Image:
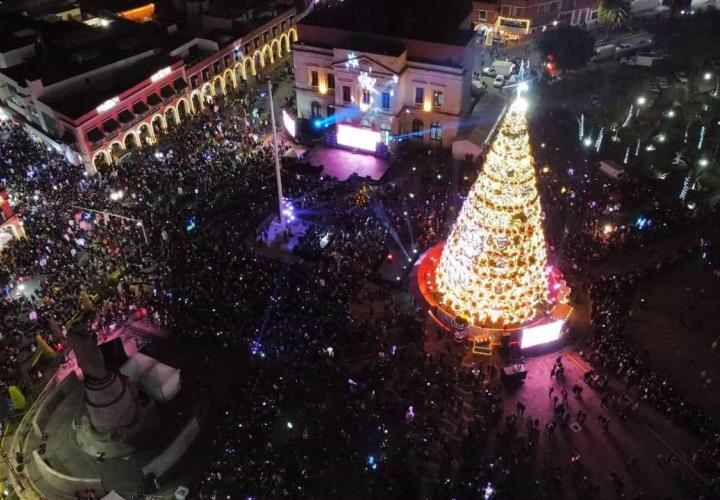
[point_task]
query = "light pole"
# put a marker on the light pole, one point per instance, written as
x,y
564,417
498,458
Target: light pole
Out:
x,y
281,216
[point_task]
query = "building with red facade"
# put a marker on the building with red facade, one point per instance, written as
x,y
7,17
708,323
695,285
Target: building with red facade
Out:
x,y
95,90
512,20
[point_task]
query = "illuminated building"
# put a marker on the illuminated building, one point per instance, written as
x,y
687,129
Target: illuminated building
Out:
x,y
492,272
401,78
512,20
103,87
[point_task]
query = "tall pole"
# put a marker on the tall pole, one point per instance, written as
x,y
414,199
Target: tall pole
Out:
x,y
281,216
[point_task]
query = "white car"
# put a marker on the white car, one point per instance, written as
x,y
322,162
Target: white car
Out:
x,y
624,46
499,81
488,71
681,77
679,161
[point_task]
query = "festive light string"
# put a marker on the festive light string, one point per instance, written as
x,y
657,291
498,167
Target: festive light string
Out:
x,y
598,142
702,138
493,267
628,117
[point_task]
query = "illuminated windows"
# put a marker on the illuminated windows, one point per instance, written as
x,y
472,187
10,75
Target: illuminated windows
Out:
x,y
435,132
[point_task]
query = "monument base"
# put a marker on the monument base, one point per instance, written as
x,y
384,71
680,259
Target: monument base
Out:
x,y
123,441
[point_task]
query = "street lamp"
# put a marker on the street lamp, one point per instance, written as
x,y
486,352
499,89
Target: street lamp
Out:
x,y
707,75
703,162
281,215
641,100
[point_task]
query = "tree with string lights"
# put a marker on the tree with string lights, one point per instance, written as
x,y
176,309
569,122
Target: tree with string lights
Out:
x,y
492,271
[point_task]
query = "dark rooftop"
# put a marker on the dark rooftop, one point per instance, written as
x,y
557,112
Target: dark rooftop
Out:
x,y
87,98
428,20
58,62
16,31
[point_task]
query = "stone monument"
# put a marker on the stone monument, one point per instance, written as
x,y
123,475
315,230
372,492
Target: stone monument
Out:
x,y
116,422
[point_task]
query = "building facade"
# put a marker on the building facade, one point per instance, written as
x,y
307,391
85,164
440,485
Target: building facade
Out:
x,y
108,105
512,20
403,88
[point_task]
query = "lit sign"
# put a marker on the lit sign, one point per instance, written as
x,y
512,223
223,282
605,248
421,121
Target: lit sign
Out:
x,y
289,123
160,74
109,104
360,138
509,22
542,334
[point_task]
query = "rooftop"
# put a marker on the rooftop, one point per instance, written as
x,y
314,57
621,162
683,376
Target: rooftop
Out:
x,y
60,62
87,98
428,20
16,31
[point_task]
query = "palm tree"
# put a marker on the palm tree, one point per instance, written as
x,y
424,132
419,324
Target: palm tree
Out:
x,y
613,14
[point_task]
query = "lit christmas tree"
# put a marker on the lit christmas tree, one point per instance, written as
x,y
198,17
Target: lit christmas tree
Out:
x,y
492,269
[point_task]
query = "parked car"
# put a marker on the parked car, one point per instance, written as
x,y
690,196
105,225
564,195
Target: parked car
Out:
x,y
681,77
624,46
679,161
611,169
499,81
656,173
488,71
662,83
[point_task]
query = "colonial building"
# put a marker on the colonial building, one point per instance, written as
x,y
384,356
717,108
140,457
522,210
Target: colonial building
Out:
x,y
511,20
97,90
406,84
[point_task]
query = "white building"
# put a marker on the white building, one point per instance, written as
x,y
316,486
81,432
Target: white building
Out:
x,y
406,89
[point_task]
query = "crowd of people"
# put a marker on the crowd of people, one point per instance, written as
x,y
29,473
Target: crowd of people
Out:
x,y
611,352
323,399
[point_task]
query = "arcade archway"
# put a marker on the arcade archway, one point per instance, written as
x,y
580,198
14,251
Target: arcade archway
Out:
x,y
183,109
158,124
145,134
196,101
276,48
131,141
101,160
116,150
170,116
218,86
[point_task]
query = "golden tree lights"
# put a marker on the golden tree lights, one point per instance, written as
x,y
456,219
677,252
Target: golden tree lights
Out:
x,y
492,268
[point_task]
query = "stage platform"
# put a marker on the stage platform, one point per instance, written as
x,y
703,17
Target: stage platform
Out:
x,y
277,242
342,163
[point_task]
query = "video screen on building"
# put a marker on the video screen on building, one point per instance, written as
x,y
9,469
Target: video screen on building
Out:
x,y
360,138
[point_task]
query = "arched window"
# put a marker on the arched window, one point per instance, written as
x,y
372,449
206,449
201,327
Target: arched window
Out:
x,y
435,132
